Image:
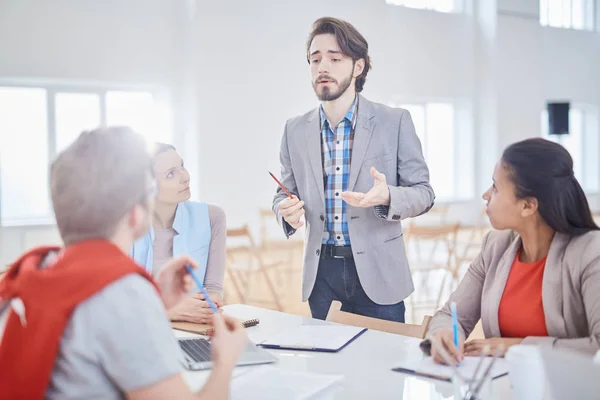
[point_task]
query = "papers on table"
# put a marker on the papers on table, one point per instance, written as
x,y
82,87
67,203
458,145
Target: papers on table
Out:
x,y
314,337
272,383
426,367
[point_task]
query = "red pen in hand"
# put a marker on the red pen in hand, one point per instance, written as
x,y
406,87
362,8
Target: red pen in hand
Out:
x,y
281,186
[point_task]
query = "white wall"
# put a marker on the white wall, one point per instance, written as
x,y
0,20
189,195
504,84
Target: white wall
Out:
x,y
133,41
130,41
237,71
261,57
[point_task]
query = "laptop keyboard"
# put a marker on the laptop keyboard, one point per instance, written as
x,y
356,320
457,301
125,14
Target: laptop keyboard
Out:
x,y
197,349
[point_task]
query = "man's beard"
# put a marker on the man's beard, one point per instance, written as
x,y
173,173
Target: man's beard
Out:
x,y
328,94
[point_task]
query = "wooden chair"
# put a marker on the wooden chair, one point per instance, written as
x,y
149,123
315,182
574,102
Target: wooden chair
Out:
x,y
423,262
472,245
439,211
437,215
252,265
336,314
289,251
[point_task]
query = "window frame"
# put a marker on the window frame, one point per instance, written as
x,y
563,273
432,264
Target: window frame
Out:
x,y
399,102
458,7
590,126
54,87
590,16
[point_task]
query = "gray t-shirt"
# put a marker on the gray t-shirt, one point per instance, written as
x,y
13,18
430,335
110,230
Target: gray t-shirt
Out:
x,y
117,341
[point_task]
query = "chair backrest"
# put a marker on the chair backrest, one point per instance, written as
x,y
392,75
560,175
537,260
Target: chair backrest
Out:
x,y
267,221
271,234
242,232
437,215
423,242
440,209
335,314
432,231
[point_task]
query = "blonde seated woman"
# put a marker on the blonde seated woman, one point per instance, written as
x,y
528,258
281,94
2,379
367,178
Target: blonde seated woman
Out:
x,y
537,278
181,227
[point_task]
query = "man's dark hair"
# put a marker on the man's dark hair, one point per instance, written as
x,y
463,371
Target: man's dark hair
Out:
x,y
351,42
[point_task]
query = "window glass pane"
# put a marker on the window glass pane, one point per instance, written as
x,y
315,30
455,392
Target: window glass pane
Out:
x,y
578,14
24,158
555,12
440,158
573,142
75,112
566,14
444,6
436,5
140,111
582,144
591,144
544,12
570,14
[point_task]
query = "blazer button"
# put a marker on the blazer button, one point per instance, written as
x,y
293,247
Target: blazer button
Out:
x,y
318,252
322,218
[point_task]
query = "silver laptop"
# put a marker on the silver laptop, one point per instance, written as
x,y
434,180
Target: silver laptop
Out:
x,y
571,375
197,355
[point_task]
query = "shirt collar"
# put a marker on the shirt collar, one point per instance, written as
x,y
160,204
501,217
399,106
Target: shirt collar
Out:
x,y
350,115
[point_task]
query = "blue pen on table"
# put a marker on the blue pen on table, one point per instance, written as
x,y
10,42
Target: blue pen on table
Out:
x,y
202,289
454,323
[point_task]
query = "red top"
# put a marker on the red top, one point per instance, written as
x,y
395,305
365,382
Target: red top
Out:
x,y
521,312
50,295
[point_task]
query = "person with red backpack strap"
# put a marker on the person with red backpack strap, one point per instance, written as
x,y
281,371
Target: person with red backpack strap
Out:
x,y
86,321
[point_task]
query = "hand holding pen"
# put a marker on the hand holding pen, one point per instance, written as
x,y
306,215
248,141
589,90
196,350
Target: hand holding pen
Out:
x,y
450,340
200,286
291,209
174,282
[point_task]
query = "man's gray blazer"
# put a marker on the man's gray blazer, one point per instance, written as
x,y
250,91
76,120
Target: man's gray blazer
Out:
x,y
384,138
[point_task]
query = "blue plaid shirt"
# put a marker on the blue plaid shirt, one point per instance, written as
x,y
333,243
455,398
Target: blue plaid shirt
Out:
x,y
337,153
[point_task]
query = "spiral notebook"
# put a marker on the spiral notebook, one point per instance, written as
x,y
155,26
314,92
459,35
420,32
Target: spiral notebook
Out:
x,y
205,329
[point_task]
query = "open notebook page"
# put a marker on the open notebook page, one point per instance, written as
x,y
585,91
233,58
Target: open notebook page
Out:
x,y
330,337
427,367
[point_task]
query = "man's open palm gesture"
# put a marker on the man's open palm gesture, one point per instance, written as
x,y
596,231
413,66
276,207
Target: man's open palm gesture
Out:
x,y
379,195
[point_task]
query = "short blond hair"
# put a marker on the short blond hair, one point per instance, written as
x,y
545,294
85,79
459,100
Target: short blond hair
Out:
x,y
97,180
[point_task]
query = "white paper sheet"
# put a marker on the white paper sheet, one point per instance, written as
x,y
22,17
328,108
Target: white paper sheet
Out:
x,y
272,383
468,365
330,337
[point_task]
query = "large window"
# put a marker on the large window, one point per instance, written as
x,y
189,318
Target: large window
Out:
x,y
37,122
435,124
582,143
447,6
569,14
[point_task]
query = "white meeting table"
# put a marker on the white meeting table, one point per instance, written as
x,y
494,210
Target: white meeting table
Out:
x,y
366,363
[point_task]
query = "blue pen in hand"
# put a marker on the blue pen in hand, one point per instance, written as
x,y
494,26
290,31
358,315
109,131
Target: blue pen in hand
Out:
x,y
202,289
454,324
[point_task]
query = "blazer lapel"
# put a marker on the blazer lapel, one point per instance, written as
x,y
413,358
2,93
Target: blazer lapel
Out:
x,y
362,136
492,301
312,135
552,294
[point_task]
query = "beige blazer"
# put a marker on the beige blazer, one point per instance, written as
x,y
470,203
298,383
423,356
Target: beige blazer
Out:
x,y
570,291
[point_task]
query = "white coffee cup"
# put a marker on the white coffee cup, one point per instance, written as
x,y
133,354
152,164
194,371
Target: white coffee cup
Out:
x,y
526,372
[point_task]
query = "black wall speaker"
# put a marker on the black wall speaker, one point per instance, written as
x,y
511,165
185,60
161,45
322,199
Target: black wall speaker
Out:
x,y
558,118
